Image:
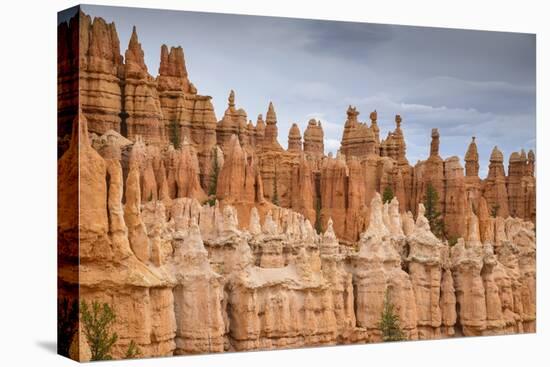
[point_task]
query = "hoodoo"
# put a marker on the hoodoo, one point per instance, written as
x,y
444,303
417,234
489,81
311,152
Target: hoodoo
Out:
x,y
218,239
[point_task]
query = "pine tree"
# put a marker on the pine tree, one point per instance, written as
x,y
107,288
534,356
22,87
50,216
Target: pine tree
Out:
x,y
97,323
275,199
453,240
389,322
387,196
318,226
213,184
133,351
494,210
432,214
174,131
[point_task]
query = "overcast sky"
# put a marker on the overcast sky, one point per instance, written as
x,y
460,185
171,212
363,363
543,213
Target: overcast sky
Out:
x,y
463,82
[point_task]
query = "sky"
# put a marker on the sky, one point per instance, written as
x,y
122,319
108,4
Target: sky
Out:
x,y
463,82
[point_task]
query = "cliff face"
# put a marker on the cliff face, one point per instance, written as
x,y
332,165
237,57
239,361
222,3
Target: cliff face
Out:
x,y
101,74
119,94
208,236
200,279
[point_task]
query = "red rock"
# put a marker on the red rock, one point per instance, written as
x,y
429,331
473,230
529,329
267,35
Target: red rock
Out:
x,y
239,182
294,139
260,132
430,172
270,136
358,139
521,185
140,99
187,174
313,140
134,58
494,186
303,198
200,278
234,122
455,198
172,71
100,66
472,159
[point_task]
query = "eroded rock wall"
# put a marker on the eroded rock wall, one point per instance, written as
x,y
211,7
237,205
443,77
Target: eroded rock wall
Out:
x,y
207,236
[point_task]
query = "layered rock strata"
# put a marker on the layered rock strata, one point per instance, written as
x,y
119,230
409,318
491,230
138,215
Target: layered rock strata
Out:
x,y
205,235
119,94
197,279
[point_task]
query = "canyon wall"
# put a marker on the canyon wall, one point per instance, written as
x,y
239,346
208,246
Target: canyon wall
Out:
x,y
206,235
186,277
118,94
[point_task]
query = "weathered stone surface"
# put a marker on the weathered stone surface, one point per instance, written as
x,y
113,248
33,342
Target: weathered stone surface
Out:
x,y
140,99
108,267
472,159
172,71
137,234
234,122
358,138
187,174
494,186
521,185
378,270
394,145
430,172
270,135
100,76
246,269
294,139
303,199
198,295
483,280
426,273
239,182
455,198
333,193
314,140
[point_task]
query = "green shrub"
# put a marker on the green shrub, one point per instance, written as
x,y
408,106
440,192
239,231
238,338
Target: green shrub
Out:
x,y
453,240
97,323
213,184
431,202
494,210
389,322
318,226
174,134
275,199
387,195
133,351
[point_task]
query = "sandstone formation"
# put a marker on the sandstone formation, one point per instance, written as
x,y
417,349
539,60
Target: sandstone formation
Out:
x,y
271,131
234,122
313,140
143,115
294,139
358,138
205,235
494,187
101,76
167,109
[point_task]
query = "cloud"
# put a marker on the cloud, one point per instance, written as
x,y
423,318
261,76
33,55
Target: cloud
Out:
x,y
351,41
462,82
485,96
332,145
311,91
456,126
